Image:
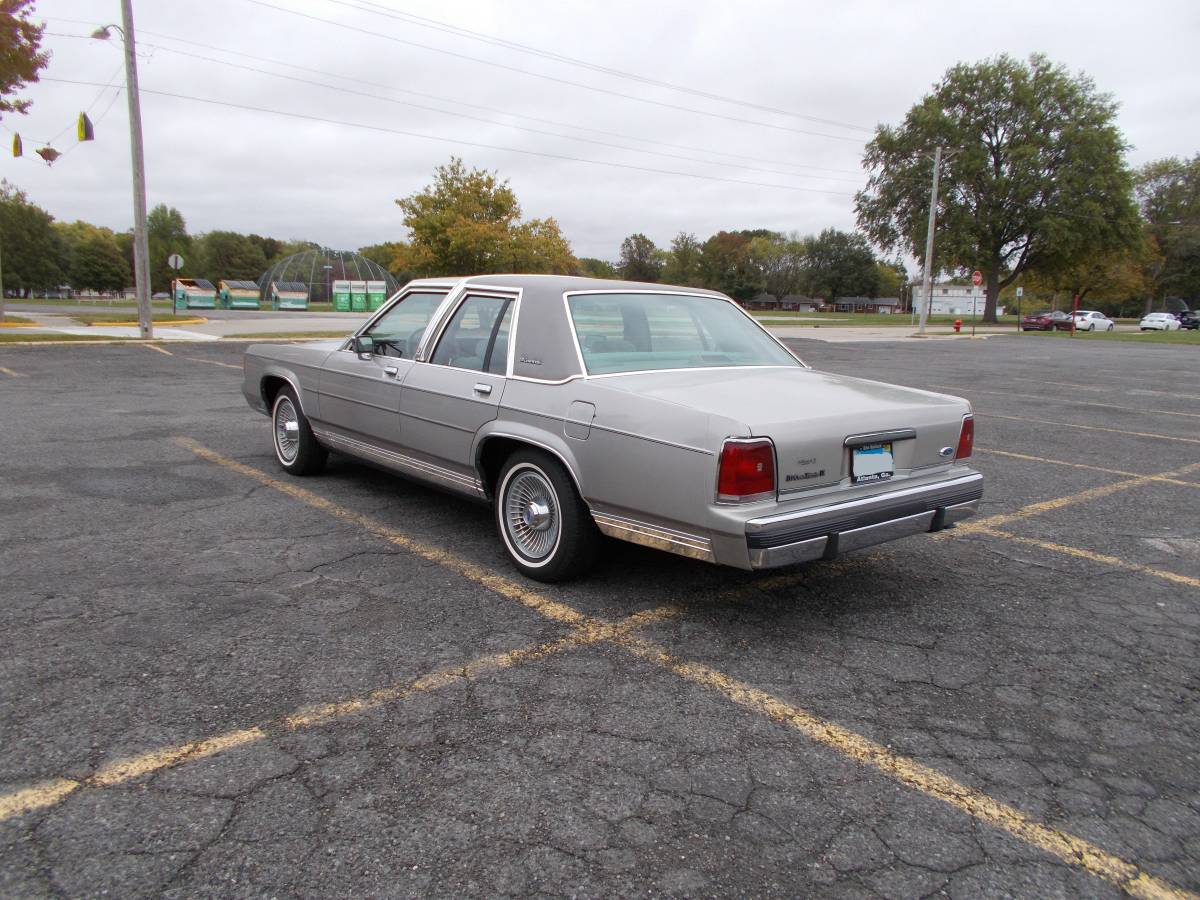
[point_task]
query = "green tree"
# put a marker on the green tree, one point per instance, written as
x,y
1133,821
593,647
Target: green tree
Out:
x,y
682,263
840,264
891,279
596,268
227,255
1036,178
726,265
640,259
1168,191
21,56
94,259
384,254
34,255
780,263
469,222
166,233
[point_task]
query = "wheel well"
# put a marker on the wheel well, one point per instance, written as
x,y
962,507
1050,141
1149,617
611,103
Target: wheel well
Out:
x,y
271,385
495,450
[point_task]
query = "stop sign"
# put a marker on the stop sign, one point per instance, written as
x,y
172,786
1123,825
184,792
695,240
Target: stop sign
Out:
x,y
977,278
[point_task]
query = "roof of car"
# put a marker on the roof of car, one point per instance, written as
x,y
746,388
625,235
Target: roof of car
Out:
x,y
559,284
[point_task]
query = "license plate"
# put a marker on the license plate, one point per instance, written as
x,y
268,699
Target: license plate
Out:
x,y
871,462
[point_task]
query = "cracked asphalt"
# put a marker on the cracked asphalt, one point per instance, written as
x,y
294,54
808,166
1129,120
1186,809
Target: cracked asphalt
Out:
x,y
151,598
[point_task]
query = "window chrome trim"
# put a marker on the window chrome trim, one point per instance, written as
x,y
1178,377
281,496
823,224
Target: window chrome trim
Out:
x,y
567,295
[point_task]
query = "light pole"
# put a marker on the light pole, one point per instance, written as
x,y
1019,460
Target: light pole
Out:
x,y
141,250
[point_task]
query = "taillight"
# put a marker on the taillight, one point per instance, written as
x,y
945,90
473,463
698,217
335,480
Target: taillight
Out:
x,y
966,438
747,470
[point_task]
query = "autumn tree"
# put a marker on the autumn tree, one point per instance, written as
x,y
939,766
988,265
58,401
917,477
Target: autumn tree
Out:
x,y
640,259
596,268
1036,177
21,56
682,262
469,222
1168,192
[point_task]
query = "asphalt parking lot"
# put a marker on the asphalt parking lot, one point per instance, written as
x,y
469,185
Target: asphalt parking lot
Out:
x,y
220,680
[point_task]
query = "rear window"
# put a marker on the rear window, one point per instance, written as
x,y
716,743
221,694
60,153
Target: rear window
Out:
x,y
642,332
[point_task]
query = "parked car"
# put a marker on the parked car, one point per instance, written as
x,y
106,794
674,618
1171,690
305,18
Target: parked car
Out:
x,y
1091,320
1055,320
665,416
1190,320
1159,321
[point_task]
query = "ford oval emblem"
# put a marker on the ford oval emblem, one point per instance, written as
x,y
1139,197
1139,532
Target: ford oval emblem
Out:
x,y
946,452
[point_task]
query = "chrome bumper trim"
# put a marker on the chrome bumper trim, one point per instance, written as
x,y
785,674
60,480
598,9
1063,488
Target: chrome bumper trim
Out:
x,y
691,545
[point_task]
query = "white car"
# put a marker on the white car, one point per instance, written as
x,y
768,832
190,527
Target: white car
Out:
x,y
1159,322
1091,320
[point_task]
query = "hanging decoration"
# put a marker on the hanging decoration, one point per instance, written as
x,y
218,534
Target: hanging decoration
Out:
x,y
84,128
18,147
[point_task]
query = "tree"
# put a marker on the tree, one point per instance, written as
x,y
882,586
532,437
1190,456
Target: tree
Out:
x,y
1168,191
468,222
779,261
384,254
166,233
726,266
682,263
891,279
1108,281
1037,178
640,259
228,255
840,264
596,268
34,257
94,259
21,57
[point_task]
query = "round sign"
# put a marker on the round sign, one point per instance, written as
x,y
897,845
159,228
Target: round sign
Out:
x,y
977,278
175,261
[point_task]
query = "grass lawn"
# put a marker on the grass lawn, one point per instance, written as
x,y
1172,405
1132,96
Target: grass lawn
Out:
x,y
82,304
1191,338
294,335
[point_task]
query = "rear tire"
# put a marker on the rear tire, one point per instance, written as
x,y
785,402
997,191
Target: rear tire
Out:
x,y
296,448
544,525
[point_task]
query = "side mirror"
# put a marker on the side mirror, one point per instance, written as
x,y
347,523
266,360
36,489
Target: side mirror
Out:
x,y
363,345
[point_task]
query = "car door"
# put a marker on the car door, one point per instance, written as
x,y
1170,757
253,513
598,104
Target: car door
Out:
x,y
446,400
360,394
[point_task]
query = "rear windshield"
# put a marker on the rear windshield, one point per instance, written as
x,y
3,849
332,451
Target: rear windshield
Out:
x,y
641,332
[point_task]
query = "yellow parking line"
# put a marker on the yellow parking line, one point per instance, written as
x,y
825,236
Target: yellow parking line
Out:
x,y
1145,434
1114,561
212,362
1063,845
1041,506
52,792
1067,847
1057,399
11,374
1074,465
159,349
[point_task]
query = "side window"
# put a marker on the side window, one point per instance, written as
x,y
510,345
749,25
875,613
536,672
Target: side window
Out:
x,y
477,336
399,332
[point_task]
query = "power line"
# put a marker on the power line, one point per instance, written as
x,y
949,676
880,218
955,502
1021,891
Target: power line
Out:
x,y
430,137
473,118
381,9
577,84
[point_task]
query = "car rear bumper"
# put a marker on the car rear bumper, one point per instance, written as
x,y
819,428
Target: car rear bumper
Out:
x,y
823,532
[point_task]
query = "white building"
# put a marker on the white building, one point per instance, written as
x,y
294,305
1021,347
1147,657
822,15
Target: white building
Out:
x,y
956,300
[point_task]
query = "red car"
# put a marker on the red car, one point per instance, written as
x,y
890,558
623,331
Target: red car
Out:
x,y
1047,321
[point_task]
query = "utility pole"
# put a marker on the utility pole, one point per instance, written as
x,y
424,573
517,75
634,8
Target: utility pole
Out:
x,y
141,250
926,281
1,281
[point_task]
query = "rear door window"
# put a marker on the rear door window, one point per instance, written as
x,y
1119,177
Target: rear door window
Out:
x,y
477,336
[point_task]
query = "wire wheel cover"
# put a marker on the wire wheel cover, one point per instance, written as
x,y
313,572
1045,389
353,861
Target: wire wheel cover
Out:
x,y
287,430
531,514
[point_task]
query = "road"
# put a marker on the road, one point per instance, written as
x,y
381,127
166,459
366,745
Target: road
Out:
x,y
220,680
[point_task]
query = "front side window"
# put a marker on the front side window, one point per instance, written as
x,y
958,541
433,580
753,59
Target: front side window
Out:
x,y
399,331
640,332
477,336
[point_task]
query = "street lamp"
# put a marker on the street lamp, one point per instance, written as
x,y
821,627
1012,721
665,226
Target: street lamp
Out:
x,y
141,250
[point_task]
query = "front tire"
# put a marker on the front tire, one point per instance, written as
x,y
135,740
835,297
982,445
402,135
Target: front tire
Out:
x,y
545,526
296,448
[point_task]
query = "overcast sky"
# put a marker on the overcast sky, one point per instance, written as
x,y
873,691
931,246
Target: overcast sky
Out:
x,y
857,63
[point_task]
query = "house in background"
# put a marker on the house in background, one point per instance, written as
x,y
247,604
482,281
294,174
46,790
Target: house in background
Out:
x,y
885,305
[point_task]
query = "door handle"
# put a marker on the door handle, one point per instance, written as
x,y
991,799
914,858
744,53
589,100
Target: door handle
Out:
x,y
391,370
484,389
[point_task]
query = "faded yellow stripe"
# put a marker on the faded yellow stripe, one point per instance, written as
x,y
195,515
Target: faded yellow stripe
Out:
x,y
143,764
1145,434
1085,466
11,374
551,609
979,525
212,362
1115,561
158,348
1066,847
1057,399
48,793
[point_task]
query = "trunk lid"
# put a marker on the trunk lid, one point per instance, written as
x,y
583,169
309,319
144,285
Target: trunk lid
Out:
x,y
810,415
